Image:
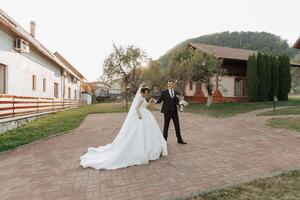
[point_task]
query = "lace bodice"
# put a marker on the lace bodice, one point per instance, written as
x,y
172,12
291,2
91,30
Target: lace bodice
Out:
x,y
141,105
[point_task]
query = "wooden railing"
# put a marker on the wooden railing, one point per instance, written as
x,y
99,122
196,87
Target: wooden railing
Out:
x,y
12,106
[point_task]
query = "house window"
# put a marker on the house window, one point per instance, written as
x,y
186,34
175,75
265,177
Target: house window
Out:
x,y
75,94
2,79
191,85
33,82
64,92
238,87
69,93
44,85
56,90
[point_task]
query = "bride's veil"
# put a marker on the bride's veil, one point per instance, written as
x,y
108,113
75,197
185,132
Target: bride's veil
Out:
x,y
128,124
135,102
130,118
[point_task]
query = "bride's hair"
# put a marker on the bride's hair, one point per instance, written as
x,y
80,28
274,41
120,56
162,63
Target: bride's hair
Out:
x,y
144,89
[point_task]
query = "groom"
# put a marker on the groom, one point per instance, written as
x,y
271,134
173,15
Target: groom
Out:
x,y
169,97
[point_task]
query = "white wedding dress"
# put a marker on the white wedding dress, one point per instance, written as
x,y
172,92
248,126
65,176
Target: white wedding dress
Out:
x,y
138,141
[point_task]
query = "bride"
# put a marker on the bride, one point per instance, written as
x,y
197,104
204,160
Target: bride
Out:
x,y
138,141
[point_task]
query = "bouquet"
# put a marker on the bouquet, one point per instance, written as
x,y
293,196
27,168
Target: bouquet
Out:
x,y
182,103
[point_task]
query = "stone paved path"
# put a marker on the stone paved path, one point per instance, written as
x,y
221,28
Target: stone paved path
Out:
x,y
219,152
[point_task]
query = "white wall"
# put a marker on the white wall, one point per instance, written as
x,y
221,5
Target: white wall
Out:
x,y
227,83
86,98
20,70
73,86
226,87
6,41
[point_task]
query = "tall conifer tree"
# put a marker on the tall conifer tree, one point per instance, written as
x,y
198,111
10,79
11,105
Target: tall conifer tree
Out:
x,y
252,78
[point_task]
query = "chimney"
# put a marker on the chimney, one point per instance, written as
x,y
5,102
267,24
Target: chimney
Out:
x,y
32,28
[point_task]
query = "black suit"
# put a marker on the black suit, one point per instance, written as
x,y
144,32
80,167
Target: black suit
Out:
x,y
169,108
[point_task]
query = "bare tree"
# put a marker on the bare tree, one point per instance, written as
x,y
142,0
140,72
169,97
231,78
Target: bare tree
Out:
x,y
123,63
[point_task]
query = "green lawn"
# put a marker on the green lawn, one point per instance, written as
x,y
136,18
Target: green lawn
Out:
x,y
284,187
282,111
53,124
292,123
231,109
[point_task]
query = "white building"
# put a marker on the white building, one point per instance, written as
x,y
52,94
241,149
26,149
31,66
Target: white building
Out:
x,y
30,72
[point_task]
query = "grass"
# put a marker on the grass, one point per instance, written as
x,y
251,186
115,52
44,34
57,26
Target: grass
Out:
x,y
284,187
221,110
291,123
283,111
53,124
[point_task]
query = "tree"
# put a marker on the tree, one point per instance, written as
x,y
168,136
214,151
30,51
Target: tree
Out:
x,y
180,69
268,76
123,63
264,75
191,64
135,79
204,68
252,79
153,76
274,78
284,77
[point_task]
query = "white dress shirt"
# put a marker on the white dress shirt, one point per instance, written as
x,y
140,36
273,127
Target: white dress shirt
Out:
x,y
171,91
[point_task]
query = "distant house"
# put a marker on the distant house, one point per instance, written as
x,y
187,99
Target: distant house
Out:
x,y
104,90
230,87
32,79
99,90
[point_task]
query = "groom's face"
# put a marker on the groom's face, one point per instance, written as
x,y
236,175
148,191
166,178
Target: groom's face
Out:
x,y
171,84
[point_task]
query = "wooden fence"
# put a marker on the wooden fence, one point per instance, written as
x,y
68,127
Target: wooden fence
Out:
x,y
14,106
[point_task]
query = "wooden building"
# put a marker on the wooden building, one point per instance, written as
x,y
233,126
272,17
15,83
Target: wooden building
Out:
x,y
230,87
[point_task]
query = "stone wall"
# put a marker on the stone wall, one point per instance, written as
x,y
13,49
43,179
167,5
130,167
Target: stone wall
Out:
x,y
10,125
13,123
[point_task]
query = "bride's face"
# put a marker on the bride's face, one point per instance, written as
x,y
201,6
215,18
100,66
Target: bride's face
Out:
x,y
146,93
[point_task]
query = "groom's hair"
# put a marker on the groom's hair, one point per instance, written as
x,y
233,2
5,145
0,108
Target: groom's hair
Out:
x,y
171,80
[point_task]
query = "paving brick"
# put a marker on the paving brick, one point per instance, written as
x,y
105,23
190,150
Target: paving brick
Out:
x,y
219,152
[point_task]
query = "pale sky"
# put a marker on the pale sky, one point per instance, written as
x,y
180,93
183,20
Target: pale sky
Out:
x,y
83,30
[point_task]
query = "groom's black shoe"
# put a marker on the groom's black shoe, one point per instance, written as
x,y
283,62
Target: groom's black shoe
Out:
x,y
181,142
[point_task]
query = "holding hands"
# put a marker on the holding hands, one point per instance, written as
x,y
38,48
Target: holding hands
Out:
x,y
152,100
